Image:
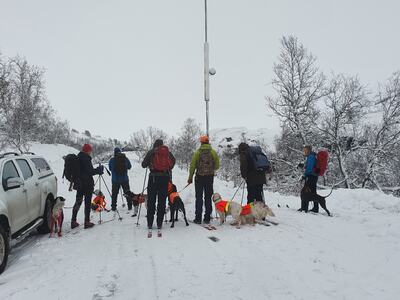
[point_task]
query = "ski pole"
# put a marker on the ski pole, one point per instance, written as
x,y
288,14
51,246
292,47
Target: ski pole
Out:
x,y
237,190
140,205
108,190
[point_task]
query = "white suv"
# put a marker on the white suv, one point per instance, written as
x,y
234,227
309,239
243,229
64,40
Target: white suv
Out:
x,y
27,192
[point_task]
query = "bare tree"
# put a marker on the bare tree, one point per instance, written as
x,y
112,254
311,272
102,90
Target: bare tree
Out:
x,y
346,105
187,142
143,140
299,85
384,138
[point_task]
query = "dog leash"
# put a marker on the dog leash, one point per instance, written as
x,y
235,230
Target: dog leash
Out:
x,y
183,188
237,190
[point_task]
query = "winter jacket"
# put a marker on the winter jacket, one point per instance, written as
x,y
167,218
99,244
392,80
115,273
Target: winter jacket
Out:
x,y
119,178
147,163
196,158
87,171
252,177
310,164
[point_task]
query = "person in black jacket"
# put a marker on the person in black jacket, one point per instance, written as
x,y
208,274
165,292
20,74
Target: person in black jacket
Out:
x,y
85,186
157,188
255,179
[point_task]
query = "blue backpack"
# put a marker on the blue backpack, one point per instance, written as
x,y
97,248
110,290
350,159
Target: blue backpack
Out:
x,y
259,159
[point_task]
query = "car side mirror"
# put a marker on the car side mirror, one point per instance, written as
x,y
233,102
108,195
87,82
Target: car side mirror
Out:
x,y
14,182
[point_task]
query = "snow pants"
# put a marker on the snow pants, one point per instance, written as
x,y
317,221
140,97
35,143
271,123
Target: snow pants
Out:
x,y
204,186
157,191
115,191
255,193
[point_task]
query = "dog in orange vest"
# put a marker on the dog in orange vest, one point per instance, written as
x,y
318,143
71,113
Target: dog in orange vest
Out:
x,y
176,204
225,208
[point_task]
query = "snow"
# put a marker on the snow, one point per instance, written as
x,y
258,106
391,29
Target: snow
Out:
x,y
232,137
353,255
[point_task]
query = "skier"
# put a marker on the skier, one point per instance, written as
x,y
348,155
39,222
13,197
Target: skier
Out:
x,y
205,162
310,177
85,186
255,179
160,161
119,166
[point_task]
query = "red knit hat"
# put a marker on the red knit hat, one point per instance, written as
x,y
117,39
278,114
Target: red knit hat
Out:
x,y
204,139
87,148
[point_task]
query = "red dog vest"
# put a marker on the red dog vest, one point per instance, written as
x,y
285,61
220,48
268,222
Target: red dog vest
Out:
x,y
246,210
222,206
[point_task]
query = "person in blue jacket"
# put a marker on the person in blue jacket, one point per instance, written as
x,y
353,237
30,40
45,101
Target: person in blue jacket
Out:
x,y
310,177
119,166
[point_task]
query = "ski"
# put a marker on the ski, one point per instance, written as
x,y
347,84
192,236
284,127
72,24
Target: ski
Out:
x,y
272,222
264,223
205,226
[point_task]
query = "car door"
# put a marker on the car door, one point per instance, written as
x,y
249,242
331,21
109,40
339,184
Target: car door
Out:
x,y
33,192
15,198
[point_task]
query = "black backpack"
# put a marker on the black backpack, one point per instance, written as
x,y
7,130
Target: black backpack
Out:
x,y
120,164
72,169
259,159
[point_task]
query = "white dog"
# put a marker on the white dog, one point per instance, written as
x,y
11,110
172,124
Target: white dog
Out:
x,y
225,208
57,217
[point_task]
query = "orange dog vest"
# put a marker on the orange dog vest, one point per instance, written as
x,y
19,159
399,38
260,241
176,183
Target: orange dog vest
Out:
x,y
100,202
222,206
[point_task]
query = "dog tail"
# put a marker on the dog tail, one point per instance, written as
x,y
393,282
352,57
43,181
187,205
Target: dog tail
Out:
x,y
329,194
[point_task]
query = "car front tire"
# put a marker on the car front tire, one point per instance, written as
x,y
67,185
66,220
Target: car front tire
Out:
x,y
45,227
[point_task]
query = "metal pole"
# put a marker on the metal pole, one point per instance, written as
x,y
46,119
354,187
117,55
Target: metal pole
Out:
x,y
206,69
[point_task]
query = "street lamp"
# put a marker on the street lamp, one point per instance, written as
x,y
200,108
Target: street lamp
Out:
x,y
207,71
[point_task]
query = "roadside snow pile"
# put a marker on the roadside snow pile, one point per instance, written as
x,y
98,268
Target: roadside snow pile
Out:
x,y
352,255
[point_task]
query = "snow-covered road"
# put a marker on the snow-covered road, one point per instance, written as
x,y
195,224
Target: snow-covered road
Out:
x,y
353,255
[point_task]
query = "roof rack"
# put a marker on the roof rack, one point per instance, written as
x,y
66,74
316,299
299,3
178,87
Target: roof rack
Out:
x,y
30,153
9,153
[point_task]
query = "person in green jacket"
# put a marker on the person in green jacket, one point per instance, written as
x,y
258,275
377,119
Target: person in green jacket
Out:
x,y
205,162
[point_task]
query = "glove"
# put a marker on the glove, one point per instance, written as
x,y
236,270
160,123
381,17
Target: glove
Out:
x,y
100,169
190,181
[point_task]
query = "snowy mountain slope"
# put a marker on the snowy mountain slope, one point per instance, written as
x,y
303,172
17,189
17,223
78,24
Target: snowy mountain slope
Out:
x,y
353,255
232,137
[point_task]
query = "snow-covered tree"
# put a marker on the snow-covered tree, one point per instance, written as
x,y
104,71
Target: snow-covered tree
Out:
x,y
299,85
346,106
143,140
186,144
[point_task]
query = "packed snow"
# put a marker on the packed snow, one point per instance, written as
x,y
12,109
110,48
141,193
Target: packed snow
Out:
x,y
352,255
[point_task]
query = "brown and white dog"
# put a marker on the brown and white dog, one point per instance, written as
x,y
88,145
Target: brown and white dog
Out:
x,y
57,217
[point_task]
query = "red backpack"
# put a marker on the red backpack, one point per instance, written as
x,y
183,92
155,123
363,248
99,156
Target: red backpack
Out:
x,y
322,163
161,159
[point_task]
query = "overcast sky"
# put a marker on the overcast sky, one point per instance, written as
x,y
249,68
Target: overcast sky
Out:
x,y
114,67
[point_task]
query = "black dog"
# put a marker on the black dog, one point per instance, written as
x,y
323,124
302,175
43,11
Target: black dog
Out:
x,y
176,204
306,196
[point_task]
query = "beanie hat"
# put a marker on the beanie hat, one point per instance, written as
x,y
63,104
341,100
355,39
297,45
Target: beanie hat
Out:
x,y
117,150
87,148
204,139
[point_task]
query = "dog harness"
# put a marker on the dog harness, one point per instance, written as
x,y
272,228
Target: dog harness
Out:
x,y
222,206
246,210
172,197
100,203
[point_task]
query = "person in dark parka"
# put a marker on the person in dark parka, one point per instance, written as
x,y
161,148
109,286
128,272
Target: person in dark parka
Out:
x,y
255,180
119,166
85,186
157,188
